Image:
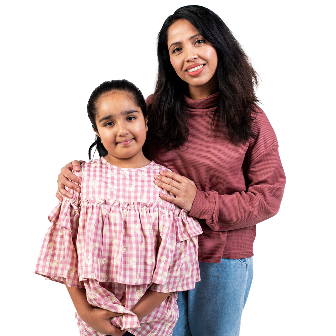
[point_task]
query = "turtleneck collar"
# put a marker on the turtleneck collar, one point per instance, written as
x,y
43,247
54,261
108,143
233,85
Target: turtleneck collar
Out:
x,y
204,103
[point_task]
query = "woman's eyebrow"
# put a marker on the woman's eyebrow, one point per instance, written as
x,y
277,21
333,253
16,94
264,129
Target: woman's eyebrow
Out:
x,y
190,38
110,116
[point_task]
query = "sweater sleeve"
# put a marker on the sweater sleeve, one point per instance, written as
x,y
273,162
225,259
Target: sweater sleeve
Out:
x,y
265,183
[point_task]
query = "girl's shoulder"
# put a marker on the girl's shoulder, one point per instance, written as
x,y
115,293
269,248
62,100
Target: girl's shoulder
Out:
x,y
156,166
91,163
154,170
101,168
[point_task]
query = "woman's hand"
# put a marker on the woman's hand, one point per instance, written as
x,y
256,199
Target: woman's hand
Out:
x,y
66,177
100,320
183,189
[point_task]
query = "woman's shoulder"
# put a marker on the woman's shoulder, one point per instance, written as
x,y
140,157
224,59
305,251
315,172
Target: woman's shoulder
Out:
x,y
265,136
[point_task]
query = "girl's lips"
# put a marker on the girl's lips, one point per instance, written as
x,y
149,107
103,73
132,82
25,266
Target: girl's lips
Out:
x,y
125,143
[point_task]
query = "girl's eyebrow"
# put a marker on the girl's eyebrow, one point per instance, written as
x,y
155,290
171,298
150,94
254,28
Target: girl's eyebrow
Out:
x,y
110,116
190,38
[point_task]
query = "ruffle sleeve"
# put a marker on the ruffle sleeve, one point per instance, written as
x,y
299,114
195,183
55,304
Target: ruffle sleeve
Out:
x,y
57,259
177,267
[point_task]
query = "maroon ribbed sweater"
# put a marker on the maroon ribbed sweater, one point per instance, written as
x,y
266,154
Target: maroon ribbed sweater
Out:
x,y
239,185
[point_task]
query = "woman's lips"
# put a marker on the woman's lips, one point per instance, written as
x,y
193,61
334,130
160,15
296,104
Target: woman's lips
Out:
x,y
195,69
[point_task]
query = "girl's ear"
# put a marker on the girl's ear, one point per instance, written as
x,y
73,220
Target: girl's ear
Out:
x,y
146,119
96,132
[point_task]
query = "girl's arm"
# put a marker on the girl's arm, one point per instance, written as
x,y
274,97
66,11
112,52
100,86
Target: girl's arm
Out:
x,y
97,318
78,297
65,179
149,301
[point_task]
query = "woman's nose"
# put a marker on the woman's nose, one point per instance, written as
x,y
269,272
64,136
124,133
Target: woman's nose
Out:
x,y
191,54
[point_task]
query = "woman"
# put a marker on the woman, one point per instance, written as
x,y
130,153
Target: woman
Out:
x,y
206,127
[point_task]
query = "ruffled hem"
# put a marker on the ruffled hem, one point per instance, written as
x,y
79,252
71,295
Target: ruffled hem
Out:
x,y
129,252
115,242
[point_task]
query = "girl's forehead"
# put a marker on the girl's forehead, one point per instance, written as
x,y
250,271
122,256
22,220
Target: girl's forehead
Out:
x,y
115,102
117,95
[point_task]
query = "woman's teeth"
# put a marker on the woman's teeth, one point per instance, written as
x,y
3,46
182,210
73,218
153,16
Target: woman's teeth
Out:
x,y
195,69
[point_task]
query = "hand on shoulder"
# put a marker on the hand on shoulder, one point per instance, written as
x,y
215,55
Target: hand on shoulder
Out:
x,y
67,179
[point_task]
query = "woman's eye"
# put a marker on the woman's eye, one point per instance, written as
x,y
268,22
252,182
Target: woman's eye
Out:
x,y
130,118
110,123
176,50
199,41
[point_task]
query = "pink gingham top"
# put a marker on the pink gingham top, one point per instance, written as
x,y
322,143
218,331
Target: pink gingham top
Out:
x,y
120,237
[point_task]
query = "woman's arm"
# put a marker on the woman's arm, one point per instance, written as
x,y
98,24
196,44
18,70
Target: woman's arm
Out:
x,y
261,200
149,301
66,179
264,178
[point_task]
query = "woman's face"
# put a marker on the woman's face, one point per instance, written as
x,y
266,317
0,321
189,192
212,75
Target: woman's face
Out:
x,y
193,58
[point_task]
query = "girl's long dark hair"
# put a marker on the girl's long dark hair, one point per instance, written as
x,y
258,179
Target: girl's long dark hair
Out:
x,y
236,81
113,85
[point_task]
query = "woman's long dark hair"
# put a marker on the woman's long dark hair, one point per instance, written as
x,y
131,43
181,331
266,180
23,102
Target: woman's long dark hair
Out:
x,y
113,85
236,81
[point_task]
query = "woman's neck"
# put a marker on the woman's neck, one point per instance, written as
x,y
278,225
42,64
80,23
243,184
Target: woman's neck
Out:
x,y
203,91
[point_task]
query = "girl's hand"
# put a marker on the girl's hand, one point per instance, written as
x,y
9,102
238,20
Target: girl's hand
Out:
x,y
65,178
100,320
183,189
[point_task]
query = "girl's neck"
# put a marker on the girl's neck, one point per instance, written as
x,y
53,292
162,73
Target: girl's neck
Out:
x,y
137,162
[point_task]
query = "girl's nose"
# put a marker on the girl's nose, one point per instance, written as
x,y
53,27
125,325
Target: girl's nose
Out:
x,y
122,129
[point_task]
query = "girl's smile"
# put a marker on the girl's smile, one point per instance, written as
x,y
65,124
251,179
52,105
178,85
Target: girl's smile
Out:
x,y
125,142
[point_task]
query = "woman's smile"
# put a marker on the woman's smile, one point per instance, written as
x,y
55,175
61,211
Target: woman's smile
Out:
x,y
194,70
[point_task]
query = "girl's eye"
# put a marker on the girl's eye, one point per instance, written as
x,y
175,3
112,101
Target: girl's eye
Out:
x,y
110,123
131,118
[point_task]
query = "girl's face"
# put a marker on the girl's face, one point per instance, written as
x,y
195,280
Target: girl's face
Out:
x,y
122,129
193,58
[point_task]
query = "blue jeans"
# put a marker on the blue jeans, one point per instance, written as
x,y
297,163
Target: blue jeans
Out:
x,y
216,304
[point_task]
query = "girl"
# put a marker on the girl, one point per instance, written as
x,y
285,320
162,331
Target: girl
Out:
x,y
206,127
122,252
